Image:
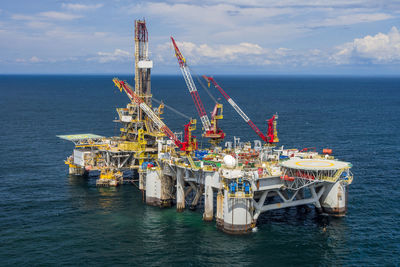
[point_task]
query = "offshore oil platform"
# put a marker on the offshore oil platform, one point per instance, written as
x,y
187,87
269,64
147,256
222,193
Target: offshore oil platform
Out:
x,y
235,182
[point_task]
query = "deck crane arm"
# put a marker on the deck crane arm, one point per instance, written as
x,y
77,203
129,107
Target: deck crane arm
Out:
x,y
149,112
239,110
192,87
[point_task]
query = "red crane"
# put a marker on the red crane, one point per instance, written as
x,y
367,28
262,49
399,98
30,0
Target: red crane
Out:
x,y
211,129
271,122
192,87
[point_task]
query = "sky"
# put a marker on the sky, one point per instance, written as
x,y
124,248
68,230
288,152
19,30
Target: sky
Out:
x,y
350,37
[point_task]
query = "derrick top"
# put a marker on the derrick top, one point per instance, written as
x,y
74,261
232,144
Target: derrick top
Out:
x,y
141,33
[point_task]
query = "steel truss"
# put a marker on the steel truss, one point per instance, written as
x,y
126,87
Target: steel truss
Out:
x,y
286,201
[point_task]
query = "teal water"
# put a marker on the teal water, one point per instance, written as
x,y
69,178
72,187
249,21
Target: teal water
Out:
x,y
49,218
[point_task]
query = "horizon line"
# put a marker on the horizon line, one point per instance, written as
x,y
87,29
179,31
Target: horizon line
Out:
x,y
219,74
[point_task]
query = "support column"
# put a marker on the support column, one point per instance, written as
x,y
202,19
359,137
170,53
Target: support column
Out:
x,y
208,200
315,191
220,209
334,199
301,195
141,180
76,170
153,192
180,190
199,192
167,184
238,217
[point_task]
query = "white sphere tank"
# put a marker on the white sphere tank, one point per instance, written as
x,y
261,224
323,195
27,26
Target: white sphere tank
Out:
x,y
229,161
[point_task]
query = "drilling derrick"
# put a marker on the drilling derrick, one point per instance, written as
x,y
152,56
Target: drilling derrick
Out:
x,y
142,63
139,131
132,117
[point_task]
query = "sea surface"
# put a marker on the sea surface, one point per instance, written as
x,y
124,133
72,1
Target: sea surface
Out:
x,y
50,218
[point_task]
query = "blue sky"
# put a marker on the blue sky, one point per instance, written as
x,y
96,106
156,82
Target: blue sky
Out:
x,y
217,37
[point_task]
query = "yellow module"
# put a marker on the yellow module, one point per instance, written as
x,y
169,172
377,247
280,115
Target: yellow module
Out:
x,y
109,177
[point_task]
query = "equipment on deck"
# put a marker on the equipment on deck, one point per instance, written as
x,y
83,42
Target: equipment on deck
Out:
x,y
187,145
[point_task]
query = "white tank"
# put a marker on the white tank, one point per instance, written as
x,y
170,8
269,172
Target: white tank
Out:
x,y
229,161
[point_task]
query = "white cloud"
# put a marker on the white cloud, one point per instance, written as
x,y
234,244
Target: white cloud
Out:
x,y
38,24
101,34
354,19
59,15
232,52
216,22
203,53
295,3
220,52
244,33
22,17
48,15
380,48
80,7
256,21
245,54
33,59
117,55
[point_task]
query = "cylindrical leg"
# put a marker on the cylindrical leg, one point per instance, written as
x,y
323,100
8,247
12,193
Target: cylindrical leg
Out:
x,y
166,191
334,199
153,192
208,200
180,190
199,193
141,181
220,209
238,217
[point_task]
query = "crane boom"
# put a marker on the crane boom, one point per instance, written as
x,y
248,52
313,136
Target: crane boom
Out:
x,y
146,109
238,110
192,87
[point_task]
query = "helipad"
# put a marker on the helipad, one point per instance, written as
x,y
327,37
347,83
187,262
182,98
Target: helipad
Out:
x,y
314,164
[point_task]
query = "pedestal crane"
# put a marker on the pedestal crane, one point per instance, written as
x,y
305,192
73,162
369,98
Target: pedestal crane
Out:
x,y
272,134
211,130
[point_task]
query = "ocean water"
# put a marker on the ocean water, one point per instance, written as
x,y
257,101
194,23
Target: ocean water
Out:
x,y
50,218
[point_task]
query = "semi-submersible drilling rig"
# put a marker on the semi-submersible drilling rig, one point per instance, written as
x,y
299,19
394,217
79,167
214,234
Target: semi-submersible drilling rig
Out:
x,y
232,182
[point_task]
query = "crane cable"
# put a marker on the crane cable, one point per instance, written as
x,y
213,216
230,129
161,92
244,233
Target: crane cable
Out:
x,y
172,109
204,87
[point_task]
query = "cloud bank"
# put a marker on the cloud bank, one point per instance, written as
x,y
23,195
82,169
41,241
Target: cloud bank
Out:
x,y
80,7
379,49
216,35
